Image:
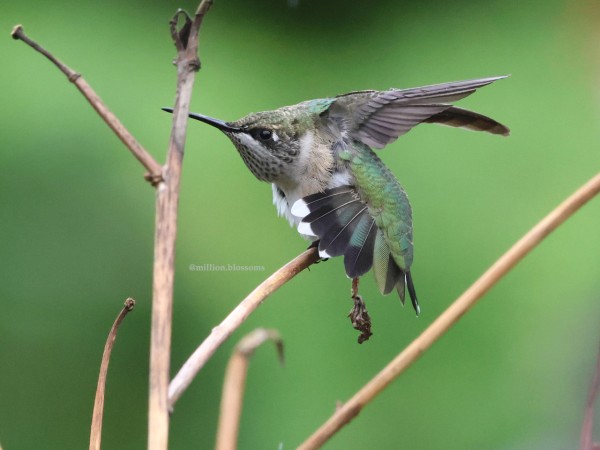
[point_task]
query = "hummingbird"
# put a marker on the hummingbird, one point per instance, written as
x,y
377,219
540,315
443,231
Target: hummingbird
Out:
x,y
329,183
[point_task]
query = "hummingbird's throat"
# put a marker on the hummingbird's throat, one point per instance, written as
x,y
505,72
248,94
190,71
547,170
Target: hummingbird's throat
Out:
x,y
260,160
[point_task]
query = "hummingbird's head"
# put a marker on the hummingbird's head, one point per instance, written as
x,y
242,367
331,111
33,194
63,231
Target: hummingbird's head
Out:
x,y
268,141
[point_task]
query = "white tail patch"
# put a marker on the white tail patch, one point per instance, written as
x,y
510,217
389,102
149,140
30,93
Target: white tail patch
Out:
x,y
300,208
305,228
324,254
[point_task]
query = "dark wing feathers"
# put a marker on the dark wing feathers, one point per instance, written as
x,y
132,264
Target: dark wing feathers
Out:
x,y
453,88
395,122
380,117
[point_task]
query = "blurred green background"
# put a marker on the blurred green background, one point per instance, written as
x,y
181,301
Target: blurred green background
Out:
x,y
77,223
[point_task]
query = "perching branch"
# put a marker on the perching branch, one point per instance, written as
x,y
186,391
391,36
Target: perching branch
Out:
x,y
96,431
449,317
587,431
235,382
154,168
221,332
167,200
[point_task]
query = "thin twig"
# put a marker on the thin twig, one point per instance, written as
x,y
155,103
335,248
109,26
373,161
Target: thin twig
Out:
x,y
220,333
235,382
96,431
142,155
167,199
449,317
587,431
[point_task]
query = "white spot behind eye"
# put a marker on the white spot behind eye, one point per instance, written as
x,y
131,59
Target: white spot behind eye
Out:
x,y
274,137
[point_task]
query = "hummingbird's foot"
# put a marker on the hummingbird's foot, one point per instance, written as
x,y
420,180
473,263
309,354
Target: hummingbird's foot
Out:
x,y
359,316
315,244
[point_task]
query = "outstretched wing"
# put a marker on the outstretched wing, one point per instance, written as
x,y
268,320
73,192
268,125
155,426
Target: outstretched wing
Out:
x,y
378,118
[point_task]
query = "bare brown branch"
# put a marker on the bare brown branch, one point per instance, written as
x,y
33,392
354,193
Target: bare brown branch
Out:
x,y
154,168
220,333
449,317
235,382
96,431
587,431
167,200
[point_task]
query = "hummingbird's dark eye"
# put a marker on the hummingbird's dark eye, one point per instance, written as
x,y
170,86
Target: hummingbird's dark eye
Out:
x,y
265,135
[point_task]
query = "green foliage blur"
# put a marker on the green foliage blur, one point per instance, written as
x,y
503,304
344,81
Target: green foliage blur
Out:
x,y
77,223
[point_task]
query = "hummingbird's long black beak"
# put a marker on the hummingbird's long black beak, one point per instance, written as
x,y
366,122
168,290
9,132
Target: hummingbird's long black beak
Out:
x,y
221,125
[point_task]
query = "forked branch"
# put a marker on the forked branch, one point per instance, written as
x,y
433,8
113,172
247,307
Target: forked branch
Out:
x,y
167,181
154,169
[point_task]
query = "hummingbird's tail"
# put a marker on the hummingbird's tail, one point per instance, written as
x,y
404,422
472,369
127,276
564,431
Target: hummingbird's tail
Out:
x,y
341,221
343,225
389,275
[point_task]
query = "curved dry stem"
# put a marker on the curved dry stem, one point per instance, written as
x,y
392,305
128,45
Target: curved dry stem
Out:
x,y
221,332
96,431
449,317
235,382
142,155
